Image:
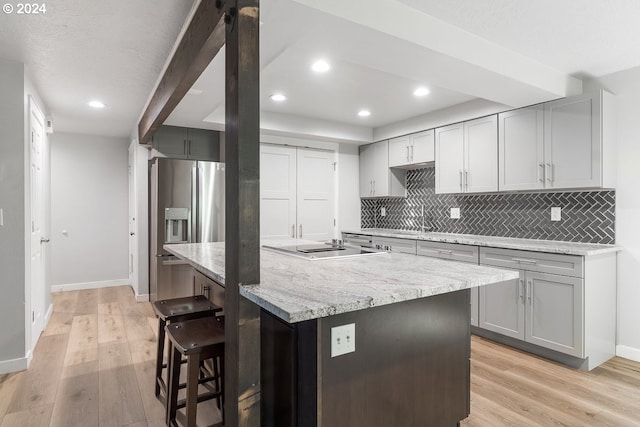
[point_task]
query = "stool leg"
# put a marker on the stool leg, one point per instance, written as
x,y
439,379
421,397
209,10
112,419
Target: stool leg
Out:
x,y
174,383
193,370
160,355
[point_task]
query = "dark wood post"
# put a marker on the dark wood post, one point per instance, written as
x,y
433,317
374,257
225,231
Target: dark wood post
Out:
x,y
242,262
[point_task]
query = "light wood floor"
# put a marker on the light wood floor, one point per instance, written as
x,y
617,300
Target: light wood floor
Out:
x,y
94,366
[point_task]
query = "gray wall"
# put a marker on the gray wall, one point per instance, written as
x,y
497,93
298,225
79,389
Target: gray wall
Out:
x,y
12,201
89,194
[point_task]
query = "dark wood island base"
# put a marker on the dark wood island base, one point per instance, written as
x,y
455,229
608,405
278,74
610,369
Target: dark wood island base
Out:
x,y
410,368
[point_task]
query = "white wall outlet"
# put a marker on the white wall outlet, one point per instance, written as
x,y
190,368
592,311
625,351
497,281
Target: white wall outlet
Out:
x,y
455,213
383,211
556,214
343,339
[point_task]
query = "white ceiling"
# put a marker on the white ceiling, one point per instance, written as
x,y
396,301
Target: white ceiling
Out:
x,y
504,51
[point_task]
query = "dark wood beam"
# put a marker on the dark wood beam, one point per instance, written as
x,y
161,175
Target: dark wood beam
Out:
x,y
199,45
242,247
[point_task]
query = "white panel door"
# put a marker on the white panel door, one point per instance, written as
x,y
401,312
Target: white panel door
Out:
x,y
315,195
449,158
367,159
381,169
36,146
399,151
422,147
481,155
521,149
572,142
277,191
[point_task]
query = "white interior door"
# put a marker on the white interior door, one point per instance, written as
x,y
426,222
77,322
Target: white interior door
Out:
x,y
37,288
277,191
315,201
133,253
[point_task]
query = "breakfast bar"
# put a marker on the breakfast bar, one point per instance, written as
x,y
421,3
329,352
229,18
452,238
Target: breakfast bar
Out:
x,y
375,340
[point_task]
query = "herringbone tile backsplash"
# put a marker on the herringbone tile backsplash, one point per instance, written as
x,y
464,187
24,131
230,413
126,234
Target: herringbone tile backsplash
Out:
x,y
587,216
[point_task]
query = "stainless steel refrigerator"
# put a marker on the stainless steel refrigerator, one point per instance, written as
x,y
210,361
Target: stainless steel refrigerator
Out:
x,y
186,206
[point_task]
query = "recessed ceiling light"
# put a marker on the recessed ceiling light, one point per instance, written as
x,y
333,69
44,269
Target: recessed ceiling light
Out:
x,y
421,91
96,104
278,97
320,66
364,113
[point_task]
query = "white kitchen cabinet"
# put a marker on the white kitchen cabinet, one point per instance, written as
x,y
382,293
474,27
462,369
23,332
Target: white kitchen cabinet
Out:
x,y
467,156
521,149
376,179
296,193
394,244
412,150
579,142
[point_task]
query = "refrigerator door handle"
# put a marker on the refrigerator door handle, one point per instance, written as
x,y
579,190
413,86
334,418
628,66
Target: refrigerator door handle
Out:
x,y
193,218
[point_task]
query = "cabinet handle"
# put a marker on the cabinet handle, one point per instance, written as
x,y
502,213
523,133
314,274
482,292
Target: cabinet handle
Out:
x,y
550,174
445,252
293,230
374,187
524,261
408,158
541,176
301,231
207,291
466,180
461,188
521,290
529,291
412,153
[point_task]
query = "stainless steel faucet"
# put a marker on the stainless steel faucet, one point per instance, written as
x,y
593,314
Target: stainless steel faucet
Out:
x,y
424,228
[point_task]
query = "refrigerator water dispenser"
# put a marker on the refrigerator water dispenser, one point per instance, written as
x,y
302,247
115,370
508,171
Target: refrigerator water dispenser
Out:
x,y
176,225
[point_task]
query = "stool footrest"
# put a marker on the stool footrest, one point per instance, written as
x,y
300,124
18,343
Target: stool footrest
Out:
x,y
201,398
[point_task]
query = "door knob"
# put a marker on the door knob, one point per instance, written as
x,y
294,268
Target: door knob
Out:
x,y
132,234
44,240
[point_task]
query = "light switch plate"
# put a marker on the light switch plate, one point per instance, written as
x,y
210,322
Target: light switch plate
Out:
x,y
383,211
343,339
455,213
556,214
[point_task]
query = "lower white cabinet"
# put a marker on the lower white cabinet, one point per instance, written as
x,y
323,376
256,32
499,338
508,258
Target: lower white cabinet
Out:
x,y
394,244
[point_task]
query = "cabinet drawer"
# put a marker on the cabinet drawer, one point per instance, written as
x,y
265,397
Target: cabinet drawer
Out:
x,y
357,239
566,265
452,251
404,246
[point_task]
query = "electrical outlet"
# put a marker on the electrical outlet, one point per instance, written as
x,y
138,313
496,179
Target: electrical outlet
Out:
x,y
455,213
343,339
556,214
383,211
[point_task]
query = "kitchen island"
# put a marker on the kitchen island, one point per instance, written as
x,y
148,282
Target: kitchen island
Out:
x,y
411,334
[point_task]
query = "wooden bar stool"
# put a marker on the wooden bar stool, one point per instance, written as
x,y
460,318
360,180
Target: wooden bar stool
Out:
x,y
177,310
198,340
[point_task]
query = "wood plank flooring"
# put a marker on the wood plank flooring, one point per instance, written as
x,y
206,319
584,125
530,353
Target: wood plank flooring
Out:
x,y
94,366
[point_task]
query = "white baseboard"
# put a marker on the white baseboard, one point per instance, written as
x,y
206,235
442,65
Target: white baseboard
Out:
x,y
47,316
14,365
90,285
628,352
142,298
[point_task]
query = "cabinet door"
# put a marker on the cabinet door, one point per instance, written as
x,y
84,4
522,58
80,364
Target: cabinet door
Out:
x,y
277,191
367,158
381,169
572,142
171,141
521,149
554,312
481,155
315,182
502,308
399,150
449,158
203,144
422,147
474,305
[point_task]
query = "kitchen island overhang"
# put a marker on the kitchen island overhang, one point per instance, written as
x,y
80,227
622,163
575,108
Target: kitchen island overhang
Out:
x,y
412,336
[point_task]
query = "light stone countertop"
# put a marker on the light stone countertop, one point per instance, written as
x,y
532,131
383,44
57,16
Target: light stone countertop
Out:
x,y
550,246
297,289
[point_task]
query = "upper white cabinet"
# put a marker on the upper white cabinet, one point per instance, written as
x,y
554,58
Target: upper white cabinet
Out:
x,y
296,193
467,156
411,150
376,179
521,149
562,144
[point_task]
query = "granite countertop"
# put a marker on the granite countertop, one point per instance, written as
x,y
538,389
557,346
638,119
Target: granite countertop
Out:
x,y
296,289
550,246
